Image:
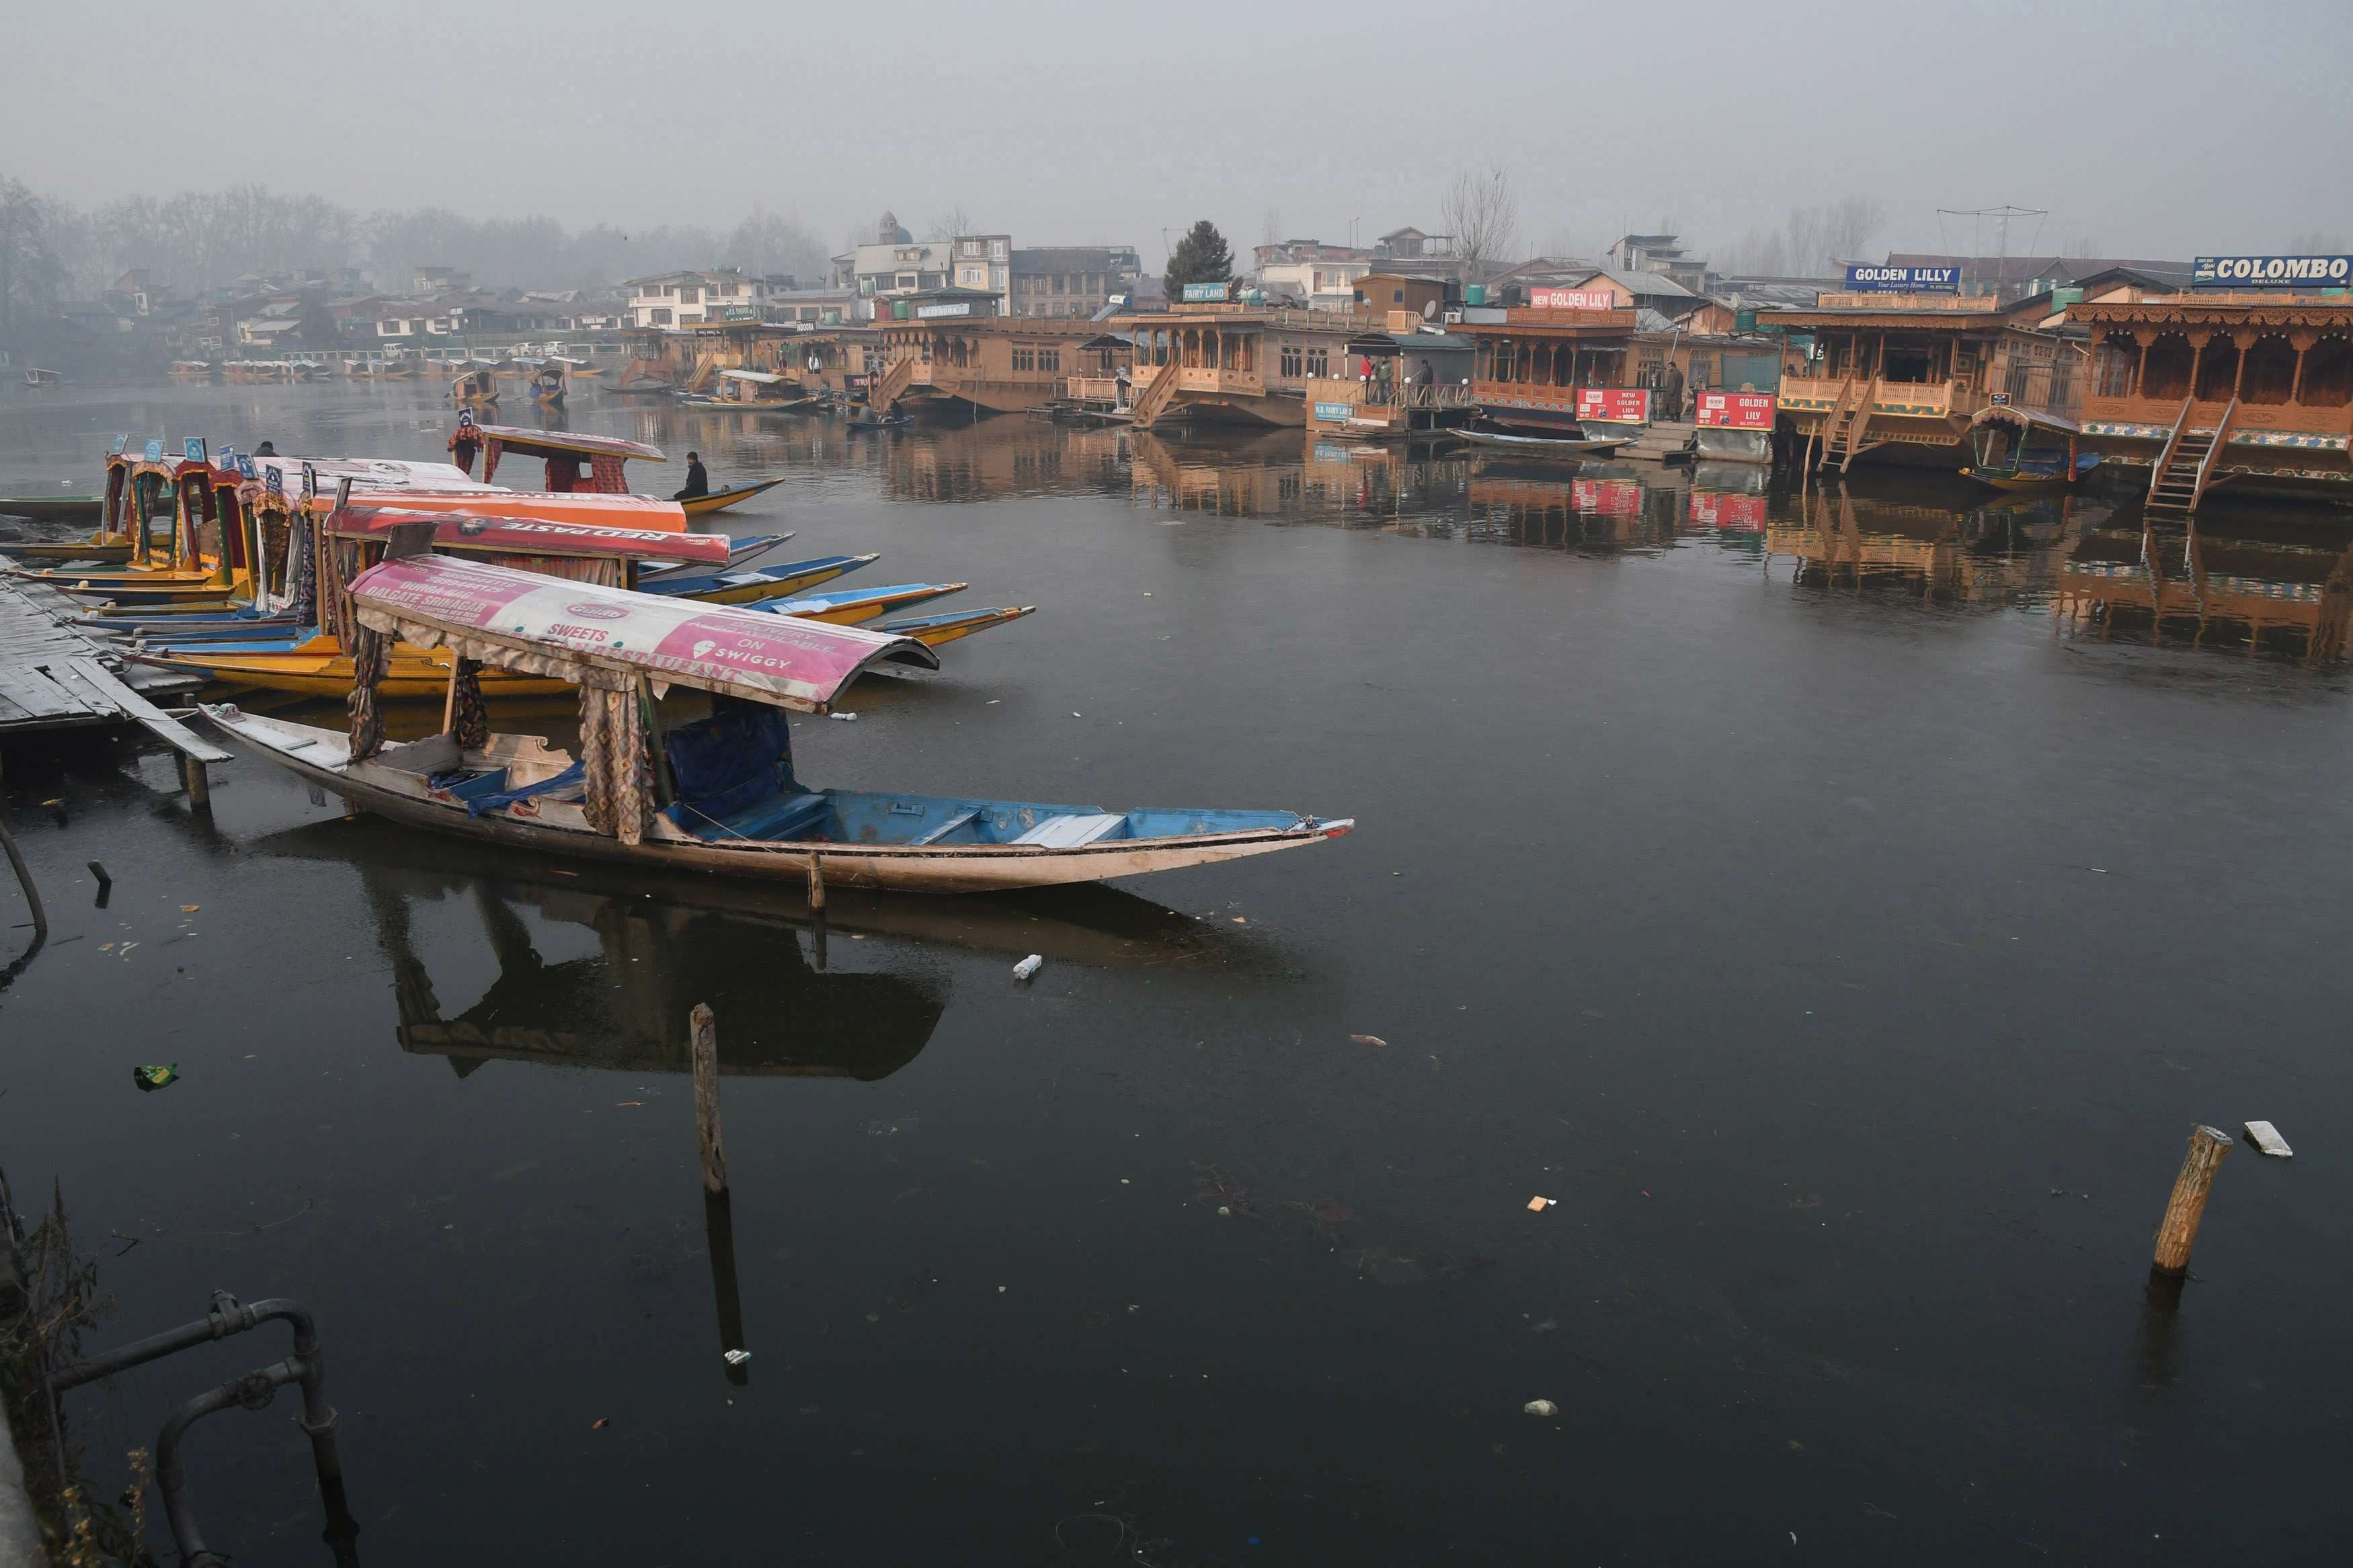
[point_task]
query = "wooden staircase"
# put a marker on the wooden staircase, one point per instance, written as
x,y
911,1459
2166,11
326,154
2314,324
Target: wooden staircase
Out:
x,y
2178,479
1850,416
1150,403
1662,439
887,388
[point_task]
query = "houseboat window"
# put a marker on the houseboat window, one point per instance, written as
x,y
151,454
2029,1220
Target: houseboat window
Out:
x,y
2327,373
2218,370
2164,372
1024,359
1319,362
1049,359
1907,363
1292,360
2119,358
2269,376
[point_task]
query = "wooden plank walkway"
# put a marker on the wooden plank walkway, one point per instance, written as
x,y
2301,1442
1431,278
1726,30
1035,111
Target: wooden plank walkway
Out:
x,y
54,676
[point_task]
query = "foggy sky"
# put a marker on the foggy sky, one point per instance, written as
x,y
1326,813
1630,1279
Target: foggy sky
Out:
x,y
2157,129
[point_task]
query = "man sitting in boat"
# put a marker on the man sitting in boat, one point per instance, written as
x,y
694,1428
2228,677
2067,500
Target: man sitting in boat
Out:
x,y
698,481
465,443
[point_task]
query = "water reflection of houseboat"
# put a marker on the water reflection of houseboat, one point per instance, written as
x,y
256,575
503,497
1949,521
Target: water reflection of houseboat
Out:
x,y
1895,378
1603,507
2264,586
1988,555
2250,393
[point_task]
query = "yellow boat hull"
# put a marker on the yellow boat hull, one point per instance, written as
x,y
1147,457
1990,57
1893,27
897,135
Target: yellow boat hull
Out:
x,y
415,674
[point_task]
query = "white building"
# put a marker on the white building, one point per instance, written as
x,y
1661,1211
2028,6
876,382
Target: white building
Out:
x,y
983,262
676,299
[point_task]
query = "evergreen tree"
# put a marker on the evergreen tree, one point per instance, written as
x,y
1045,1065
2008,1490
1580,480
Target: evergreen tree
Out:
x,y
1201,257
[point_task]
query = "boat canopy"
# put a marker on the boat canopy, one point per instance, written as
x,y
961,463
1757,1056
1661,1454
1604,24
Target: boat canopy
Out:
x,y
765,378
563,444
2003,414
366,474
587,635
533,535
593,508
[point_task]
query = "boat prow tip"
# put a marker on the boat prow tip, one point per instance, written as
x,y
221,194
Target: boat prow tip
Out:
x,y
1340,829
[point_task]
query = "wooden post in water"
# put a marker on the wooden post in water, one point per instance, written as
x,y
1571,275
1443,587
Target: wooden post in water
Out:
x,y
816,881
200,786
705,1046
2179,1227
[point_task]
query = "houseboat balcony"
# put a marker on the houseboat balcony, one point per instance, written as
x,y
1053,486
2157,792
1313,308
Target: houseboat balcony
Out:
x,y
2250,422
1922,400
1232,383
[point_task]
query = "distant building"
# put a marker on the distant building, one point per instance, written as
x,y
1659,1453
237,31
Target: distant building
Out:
x,y
431,281
1321,277
679,298
983,264
1413,245
1069,280
1660,254
2010,279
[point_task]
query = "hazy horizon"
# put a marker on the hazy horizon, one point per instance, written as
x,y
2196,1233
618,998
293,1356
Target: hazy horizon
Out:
x,y
2150,133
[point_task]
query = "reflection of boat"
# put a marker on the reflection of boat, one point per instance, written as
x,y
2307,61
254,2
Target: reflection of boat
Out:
x,y
1545,445
718,794
720,500
37,377
2002,439
885,422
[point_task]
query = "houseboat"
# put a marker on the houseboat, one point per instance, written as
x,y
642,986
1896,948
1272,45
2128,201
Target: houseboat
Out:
x,y
1392,385
1219,358
2250,392
950,350
1895,377
1551,370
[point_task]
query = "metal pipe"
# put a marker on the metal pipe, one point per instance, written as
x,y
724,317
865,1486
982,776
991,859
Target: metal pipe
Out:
x,y
224,1316
24,877
255,1390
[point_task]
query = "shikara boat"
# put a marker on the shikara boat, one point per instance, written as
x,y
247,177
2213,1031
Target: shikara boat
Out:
x,y
155,507
884,422
1545,445
751,585
476,389
565,454
38,378
2009,457
716,794
101,550
720,500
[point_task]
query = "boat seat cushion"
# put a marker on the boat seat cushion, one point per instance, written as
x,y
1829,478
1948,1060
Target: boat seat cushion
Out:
x,y
738,756
774,821
572,784
1070,830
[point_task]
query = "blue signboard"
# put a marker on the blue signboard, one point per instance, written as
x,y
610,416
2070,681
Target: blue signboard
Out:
x,y
1904,279
226,459
2272,272
192,448
244,469
1336,413
1203,293
154,451
274,482
119,442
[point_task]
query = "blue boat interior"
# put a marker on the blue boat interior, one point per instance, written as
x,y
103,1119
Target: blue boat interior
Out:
x,y
833,599
683,583
732,782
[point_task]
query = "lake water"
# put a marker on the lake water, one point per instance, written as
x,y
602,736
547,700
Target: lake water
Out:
x,y
1842,905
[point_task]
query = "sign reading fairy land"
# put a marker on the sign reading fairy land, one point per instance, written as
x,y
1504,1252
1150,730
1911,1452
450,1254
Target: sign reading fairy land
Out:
x,y
2272,272
1737,410
1207,293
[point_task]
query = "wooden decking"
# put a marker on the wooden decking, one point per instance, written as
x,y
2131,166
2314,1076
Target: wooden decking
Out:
x,y
52,676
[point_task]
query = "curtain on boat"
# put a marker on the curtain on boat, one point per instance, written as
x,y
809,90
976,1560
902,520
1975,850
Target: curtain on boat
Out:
x,y
370,658
470,720
605,474
305,572
603,573
619,775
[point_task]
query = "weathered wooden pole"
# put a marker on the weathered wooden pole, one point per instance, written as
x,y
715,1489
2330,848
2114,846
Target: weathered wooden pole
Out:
x,y
200,786
2179,1227
817,880
705,1046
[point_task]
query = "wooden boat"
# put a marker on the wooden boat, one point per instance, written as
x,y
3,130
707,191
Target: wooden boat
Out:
x,y
720,500
37,377
2003,439
932,631
856,607
100,549
143,490
321,669
475,389
54,509
733,586
886,422
718,794
1545,445
563,453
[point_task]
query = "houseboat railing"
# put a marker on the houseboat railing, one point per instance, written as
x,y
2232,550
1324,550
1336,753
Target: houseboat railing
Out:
x,y
2157,469
2213,450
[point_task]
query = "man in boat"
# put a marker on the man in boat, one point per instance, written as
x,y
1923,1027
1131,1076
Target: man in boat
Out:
x,y
465,443
698,481
267,449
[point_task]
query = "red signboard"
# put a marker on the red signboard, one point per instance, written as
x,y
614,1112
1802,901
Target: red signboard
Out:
x,y
1572,299
1607,498
1737,410
1730,513
1614,405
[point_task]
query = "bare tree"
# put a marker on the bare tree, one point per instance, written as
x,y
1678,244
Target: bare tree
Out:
x,y
29,270
1483,216
1850,224
2084,248
955,221
2314,242
1804,245
1270,228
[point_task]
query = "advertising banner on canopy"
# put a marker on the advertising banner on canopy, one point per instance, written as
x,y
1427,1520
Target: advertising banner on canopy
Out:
x,y
539,536
1614,405
800,663
1737,410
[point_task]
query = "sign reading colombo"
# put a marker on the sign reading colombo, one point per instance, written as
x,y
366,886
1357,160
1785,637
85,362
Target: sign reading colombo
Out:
x,y
2271,271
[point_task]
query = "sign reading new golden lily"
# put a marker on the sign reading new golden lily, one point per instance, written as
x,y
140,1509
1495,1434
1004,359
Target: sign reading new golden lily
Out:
x,y
2272,272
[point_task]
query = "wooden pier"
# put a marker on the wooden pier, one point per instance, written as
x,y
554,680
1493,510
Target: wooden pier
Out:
x,y
53,677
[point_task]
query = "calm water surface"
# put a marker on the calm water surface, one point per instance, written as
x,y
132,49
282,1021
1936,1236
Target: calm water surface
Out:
x,y
1842,905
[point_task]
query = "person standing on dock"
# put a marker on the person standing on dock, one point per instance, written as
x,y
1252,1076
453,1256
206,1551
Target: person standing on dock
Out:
x,y
698,481
1673,390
